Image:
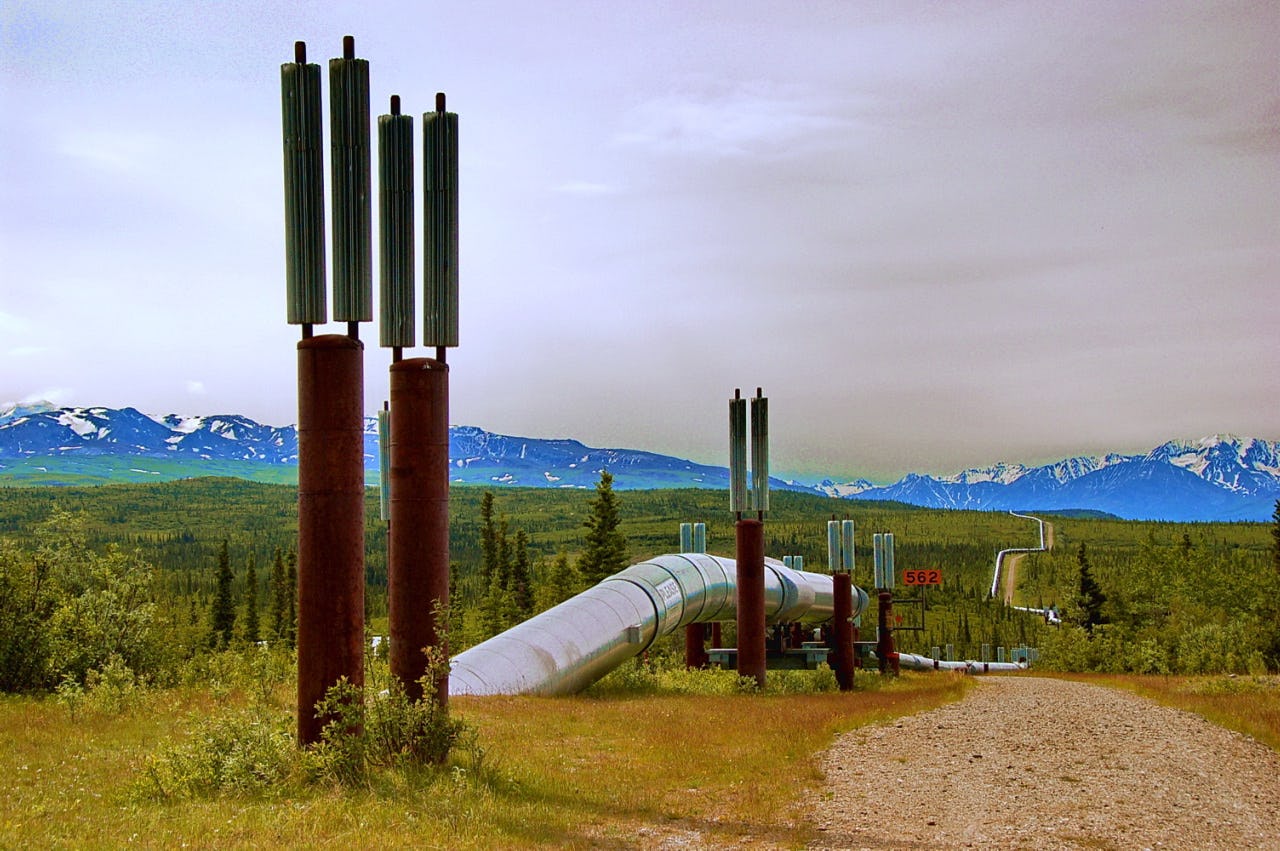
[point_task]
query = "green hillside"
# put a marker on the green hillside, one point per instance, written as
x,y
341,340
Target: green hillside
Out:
x,y
1179,596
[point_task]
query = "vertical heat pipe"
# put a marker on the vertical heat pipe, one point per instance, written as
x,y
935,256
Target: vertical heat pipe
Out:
x,y
749,558
842,628
330,634
695,634
418,572
330,521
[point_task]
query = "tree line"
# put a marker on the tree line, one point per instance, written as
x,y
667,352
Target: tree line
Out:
x,y
157,573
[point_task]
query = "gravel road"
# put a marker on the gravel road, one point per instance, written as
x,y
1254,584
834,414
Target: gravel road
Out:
x,y
1026,762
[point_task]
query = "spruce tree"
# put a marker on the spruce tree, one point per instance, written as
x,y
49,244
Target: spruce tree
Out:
x,y
488,539
223,613
521,583
279,596
1090,596
1275,538
251,627
562,582
1271,604
291,589
605,549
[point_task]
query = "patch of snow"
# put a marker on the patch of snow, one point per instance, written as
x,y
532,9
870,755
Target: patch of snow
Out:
x,y
186,425
79,425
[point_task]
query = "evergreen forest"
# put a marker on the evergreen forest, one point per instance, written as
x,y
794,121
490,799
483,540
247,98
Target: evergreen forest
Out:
x,y
151,576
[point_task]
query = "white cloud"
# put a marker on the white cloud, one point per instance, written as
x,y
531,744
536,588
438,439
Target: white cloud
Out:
x,y
53,395
196,388
744,121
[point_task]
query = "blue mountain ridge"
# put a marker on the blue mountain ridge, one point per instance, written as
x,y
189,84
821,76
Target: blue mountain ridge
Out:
x,y
1220,478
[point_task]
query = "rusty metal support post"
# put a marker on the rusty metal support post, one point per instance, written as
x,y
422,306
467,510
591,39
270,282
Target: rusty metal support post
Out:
x,y
842,617
750,567
885,652
418,567
695,646
330,522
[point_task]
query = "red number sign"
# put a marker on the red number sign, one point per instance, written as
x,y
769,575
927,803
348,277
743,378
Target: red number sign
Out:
x,y
922,577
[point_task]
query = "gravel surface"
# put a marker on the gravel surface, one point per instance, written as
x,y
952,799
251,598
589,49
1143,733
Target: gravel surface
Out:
x,y
1026,762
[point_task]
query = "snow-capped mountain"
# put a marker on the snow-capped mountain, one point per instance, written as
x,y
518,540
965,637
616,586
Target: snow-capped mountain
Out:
x,y
206,445
45,431
1215,478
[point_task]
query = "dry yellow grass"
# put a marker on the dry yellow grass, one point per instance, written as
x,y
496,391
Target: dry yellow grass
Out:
x,y
570,772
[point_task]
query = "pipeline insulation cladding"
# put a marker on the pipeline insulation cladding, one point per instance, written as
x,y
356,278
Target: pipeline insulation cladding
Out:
x,y
352,198
395,231
303,193
440,228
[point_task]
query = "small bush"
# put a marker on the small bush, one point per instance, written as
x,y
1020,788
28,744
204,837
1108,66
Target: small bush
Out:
x,y
668,675
239,753
252,750
109,690
381,727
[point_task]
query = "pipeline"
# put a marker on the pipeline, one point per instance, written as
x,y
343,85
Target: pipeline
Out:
x,y
916,662
567,648
995,579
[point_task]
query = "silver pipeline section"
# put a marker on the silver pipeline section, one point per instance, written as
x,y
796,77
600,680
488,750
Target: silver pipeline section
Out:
x,y
567,648
916,662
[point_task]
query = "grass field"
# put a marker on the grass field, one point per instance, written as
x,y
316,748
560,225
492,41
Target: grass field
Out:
x,y
574,772
611,770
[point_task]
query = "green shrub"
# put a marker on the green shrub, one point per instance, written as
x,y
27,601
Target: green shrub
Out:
x,y
109,690
239,752
369,729
666,674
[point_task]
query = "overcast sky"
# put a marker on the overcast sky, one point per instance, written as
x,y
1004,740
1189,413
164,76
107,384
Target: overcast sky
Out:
x,y
939,235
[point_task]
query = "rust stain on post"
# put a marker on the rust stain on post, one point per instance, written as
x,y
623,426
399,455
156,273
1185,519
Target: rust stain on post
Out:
x,y
842,634
751,628
330,521
885,651
695,649
418,565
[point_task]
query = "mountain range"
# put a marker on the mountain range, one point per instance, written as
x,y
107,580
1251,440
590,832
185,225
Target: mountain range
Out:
x,y
1219,478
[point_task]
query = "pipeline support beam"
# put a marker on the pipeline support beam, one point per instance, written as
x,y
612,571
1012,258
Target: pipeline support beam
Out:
x,y
842,632
418,562
750,586
330,522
